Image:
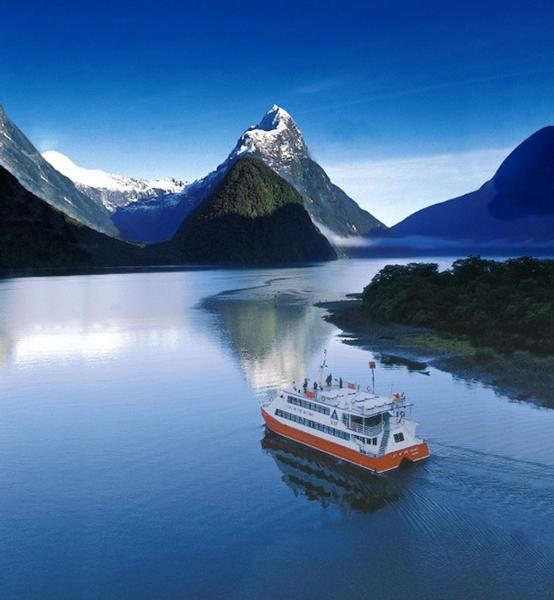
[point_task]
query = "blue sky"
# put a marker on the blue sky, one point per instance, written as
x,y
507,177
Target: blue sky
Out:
x,y
405,103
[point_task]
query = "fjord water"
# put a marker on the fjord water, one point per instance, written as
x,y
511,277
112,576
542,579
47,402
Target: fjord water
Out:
x,y
134,462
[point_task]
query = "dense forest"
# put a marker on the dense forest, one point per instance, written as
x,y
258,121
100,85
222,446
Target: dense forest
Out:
x,y
507,305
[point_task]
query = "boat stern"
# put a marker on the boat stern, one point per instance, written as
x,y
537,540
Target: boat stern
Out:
x,y
411,454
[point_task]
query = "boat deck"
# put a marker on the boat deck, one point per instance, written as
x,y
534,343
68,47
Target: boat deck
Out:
x,y
349,399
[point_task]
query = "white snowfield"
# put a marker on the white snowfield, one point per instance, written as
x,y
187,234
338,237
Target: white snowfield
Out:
x,y
100,179
115,191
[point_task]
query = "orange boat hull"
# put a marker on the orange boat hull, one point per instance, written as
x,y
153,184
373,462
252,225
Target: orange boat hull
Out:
x,y
387,462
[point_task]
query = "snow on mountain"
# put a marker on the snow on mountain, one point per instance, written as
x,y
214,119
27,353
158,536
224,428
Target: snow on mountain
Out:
x,y
20,158
276,138
278,141
114,191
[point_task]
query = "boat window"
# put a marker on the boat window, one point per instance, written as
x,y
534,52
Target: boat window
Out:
x,y
309,405
398,437
312,424
366,440
372,421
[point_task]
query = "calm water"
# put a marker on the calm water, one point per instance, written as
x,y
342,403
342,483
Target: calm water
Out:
x,y
134,464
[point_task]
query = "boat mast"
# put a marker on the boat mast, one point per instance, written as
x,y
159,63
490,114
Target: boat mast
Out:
x,y
372,366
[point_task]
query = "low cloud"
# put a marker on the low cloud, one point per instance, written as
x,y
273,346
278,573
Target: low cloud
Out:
x,y
425,243
343,241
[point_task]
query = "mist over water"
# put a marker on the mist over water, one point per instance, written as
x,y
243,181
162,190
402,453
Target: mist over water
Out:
x,y
135,463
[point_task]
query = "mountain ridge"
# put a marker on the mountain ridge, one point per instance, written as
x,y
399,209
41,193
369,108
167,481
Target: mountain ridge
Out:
x,y
24,161
253,217
112,190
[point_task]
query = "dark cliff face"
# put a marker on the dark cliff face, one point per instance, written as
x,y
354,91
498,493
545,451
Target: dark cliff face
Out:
x,y
516,205
252,216
33,235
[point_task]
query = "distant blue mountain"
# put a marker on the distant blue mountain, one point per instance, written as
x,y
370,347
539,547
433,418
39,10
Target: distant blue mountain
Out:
x,y
524,183
514,209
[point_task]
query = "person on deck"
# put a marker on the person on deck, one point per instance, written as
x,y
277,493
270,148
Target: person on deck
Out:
x,y
329,380
305,385
340,382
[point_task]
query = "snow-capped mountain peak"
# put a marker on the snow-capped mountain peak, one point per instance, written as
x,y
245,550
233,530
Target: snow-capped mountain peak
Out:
x,y
279,143
112,190
276,139
275,118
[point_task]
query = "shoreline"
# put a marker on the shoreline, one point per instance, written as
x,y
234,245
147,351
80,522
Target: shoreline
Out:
x,y
521,376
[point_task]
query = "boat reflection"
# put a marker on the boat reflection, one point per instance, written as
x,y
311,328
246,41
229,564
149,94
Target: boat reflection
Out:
x,y
322,478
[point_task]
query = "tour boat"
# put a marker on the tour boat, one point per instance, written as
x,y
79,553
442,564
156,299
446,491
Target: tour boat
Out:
x,y
357,426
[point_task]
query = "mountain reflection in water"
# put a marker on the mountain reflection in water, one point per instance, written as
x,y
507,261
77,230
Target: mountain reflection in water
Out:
x,y
274,336
322,478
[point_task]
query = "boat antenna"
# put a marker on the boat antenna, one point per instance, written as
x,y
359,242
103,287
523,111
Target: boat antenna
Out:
x,y
322,366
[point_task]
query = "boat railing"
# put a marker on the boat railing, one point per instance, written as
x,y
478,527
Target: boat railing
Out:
x,y
376,410
370,431
353,405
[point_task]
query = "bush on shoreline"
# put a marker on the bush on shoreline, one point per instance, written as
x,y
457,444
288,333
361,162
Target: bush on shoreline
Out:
x,y
508,305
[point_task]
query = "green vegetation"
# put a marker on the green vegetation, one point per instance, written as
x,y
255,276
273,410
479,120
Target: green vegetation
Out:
x,y
251,189
253,216
506,305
